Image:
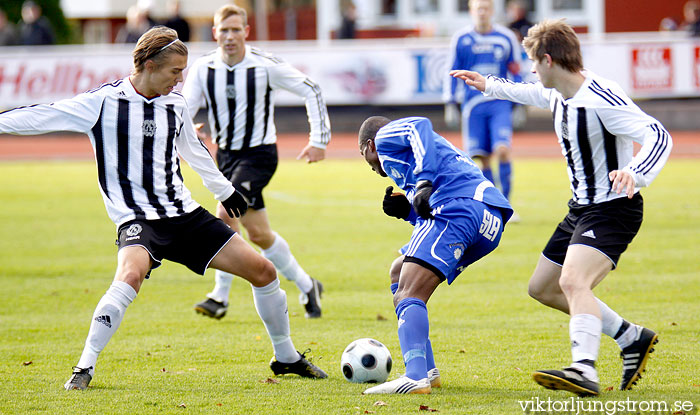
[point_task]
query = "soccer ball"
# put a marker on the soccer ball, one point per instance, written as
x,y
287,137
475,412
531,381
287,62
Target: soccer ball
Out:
x,y
366,360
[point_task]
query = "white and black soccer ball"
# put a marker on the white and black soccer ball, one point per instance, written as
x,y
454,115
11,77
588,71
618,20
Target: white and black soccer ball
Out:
x,y
366,360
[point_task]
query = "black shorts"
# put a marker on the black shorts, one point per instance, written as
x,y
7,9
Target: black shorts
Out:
x,y
249,170
192,240
608,227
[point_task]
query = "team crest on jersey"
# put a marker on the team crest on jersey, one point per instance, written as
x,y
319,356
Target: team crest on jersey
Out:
x,y
134,230
149,128
230,91
458,250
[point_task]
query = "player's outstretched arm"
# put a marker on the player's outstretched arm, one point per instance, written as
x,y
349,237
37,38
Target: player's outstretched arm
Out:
x,y
470,78
312,154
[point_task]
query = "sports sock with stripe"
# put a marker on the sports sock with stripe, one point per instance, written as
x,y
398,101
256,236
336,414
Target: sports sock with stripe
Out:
x,y
414,329
429,357
585,331
105,321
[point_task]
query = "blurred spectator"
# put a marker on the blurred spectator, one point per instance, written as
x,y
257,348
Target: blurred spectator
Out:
x,y
668,24
8,33
136,25
347,24
691,16
517,15
35,29
146,7
175,21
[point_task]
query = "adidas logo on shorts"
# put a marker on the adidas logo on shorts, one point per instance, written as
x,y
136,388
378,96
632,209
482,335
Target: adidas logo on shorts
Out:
x,y
589,234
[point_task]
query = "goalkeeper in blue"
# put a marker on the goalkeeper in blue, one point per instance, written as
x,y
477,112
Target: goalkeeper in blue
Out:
x,y
458,218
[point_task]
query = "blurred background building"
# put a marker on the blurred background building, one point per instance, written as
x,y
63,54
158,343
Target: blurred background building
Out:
x,y
365,54
98,21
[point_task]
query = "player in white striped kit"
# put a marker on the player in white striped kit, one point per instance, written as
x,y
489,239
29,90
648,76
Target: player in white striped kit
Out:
x,y
137,126
238,84
596,123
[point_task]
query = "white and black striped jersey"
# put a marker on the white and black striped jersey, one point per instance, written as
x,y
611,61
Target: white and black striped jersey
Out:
x,y
240,98
596,130
136,141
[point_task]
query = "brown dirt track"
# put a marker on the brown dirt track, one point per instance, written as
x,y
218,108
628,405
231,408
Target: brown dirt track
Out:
x,y
686,144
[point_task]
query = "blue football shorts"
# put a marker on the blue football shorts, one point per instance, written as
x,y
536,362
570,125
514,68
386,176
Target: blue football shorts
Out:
x,y
489,125
463,231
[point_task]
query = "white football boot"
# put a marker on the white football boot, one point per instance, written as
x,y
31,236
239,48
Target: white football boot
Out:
x,y
400,386
434,378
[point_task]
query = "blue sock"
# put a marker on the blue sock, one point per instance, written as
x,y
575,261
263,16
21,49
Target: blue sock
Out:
x,y
413,335
429,358
487,173
504,171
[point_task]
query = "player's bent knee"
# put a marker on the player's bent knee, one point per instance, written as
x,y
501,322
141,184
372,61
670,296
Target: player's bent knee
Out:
x,y
265,274
132,276
502,153
260,238
571,283
535,291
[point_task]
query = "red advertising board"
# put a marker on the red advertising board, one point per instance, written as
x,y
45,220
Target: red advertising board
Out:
x,y
696,67
652,68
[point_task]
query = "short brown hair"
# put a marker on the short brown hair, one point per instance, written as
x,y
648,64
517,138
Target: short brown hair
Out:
x,y
157,44
556,39
229,10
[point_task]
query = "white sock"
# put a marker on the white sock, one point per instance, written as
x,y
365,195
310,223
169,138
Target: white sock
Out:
x,y
105,321
222,287
611,320
271,304
629,336
585,330
281,256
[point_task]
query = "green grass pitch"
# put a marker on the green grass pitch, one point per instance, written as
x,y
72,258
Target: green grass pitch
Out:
x,y
57,257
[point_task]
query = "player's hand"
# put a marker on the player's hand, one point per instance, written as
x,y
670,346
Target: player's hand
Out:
x,y
622,181
470,78
452,115
396,204
235,205
421,200
312,154
199,129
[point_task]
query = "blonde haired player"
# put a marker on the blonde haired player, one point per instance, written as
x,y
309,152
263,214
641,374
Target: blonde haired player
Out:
x,y
238,83
137,127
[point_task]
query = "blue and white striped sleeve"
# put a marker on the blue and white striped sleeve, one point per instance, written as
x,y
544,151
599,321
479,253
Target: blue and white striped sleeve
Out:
x,y
423,146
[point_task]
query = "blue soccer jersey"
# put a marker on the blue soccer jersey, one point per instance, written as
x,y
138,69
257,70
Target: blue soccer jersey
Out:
x,y
486,123
409,150
469,213
487,53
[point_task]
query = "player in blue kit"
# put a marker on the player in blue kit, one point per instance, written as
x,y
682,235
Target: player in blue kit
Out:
x,y
458,217
487,127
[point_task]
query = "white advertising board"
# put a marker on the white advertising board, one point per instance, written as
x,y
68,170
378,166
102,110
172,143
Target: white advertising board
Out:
x,y
406,72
